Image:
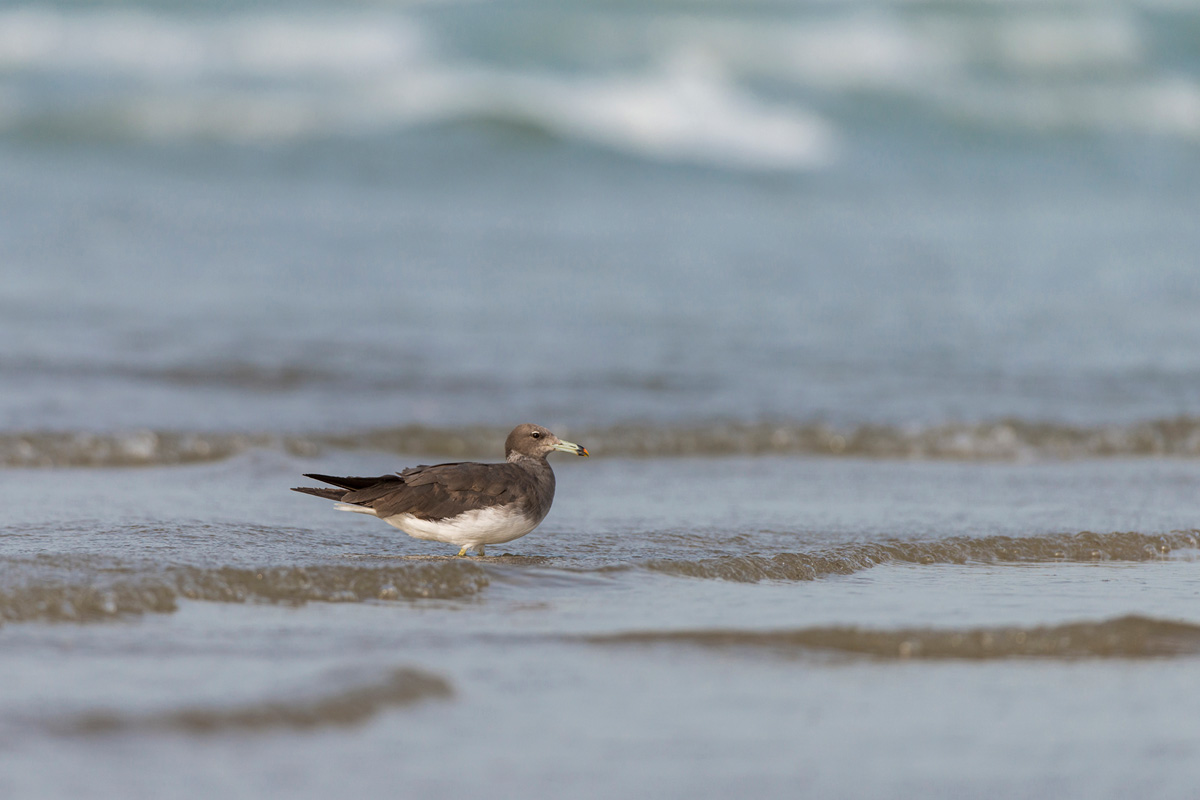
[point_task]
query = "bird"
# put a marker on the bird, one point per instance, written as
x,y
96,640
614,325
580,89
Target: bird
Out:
x,y
463,503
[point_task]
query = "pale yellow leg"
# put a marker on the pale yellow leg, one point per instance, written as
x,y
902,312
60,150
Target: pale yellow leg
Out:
x,y
462,552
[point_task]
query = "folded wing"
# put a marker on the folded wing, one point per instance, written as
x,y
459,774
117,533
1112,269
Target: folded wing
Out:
x,y
433,493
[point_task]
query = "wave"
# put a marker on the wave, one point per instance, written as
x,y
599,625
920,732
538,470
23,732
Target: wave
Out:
x,y
124,449
1083,547
351,705
668,117
438,579
1005,440
1000,440
719,87
83,589
1124,637
288,77
1089,70
40,591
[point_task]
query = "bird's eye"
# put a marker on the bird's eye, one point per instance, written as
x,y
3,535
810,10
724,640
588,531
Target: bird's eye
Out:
x,y
536,434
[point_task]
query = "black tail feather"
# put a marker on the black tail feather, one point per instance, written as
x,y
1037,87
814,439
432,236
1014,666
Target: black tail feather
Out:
x,y
350,483
328,494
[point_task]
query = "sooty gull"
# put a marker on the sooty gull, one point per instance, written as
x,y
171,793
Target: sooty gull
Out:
x,y
467,504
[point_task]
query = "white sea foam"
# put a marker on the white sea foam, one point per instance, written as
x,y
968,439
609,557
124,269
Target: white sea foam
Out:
x,y
1167,107
669,116
842,53
712,88
263,79
162,48
884,49
1043,42
685,110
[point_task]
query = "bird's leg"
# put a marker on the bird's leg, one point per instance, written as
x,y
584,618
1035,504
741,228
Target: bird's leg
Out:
x,y
462,552
479,550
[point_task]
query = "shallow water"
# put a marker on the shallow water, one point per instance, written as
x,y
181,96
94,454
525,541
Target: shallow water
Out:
x,y
843,626
879,320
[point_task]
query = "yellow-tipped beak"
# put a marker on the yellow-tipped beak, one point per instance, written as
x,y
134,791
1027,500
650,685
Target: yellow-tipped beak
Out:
x,y
571,447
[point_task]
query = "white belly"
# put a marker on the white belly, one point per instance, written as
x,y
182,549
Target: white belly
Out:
x,y
470,529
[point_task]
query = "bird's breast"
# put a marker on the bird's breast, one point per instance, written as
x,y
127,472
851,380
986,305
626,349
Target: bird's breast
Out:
x,y
476,527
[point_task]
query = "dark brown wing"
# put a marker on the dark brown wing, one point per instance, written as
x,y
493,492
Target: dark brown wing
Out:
x,y
446,490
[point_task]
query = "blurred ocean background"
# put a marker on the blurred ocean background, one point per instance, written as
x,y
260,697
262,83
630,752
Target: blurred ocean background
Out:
x,y
878,317
309,218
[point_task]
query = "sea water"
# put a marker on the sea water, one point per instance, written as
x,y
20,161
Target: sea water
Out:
x,y
879,320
